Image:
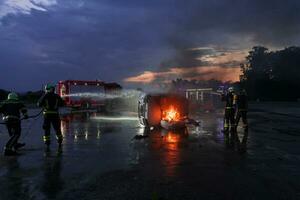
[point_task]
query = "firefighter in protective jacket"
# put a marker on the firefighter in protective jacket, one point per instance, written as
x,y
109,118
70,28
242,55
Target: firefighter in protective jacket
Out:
x,y
50,102
11,109
230,99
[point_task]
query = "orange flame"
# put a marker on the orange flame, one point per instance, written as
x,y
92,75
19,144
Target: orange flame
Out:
x,y
171,114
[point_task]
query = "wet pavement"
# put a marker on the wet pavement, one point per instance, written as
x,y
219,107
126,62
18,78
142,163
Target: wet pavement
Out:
x,y
102,159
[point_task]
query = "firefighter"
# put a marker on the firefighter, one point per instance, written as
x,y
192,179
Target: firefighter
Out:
x,y
50,102
230,99
11,109
242,107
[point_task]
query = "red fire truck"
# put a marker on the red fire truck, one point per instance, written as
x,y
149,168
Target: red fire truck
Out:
x,y
86,94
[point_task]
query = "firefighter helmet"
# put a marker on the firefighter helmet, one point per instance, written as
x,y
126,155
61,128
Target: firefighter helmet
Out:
x,y
12,96
49,88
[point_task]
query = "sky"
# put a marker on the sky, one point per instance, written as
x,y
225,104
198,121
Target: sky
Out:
x,y
137,42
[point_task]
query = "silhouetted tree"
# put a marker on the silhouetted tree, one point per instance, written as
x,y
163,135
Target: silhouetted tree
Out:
x,y
272,75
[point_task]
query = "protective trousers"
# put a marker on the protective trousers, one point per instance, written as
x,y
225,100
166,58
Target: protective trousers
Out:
x,y
55,121
229,119
14,131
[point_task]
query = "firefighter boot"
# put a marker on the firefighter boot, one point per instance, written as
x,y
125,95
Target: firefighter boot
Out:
x,y
225,127
19,145
46,139
10,152
59,138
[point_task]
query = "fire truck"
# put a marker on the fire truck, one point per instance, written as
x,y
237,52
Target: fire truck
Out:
x,y
80,94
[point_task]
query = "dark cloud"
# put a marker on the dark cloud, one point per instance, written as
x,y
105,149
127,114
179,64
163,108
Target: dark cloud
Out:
x,y
232,24
269,22
112,40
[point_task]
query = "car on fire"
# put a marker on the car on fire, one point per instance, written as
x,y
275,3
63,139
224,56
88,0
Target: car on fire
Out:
x,y
169,111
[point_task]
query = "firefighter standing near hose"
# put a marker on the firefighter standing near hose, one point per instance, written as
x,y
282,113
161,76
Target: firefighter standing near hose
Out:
x,y
230,99
11,109
50,102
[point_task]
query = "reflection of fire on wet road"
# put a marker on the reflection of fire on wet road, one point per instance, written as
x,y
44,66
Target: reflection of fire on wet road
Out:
x,y
172,153
166,146
171,137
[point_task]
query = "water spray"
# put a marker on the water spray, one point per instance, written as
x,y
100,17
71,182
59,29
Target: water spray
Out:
x,y
125,118
101,95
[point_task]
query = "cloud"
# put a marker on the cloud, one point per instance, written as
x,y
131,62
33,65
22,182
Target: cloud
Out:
x,y
150,76
207,63
24,6
205,56
145,77
46,41
231,74
225,58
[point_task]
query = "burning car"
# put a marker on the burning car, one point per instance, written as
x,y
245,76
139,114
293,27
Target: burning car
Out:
x,y
168,111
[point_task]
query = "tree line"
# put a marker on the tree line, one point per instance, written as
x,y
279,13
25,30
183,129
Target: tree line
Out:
x,y
272,75
266,75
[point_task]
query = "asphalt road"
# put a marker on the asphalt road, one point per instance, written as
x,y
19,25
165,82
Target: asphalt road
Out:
x,y
102,159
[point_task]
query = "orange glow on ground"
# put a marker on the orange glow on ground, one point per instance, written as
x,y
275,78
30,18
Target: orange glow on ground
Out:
x,y
172,138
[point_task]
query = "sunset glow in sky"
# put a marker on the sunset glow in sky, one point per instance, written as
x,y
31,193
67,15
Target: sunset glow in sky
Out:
x,y
218,66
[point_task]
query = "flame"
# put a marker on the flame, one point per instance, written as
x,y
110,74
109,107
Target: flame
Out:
x,y
171,114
